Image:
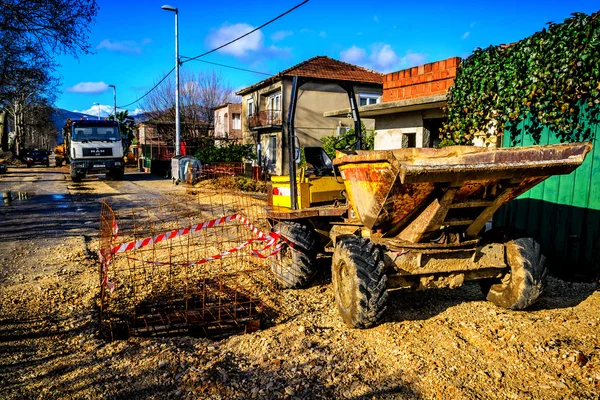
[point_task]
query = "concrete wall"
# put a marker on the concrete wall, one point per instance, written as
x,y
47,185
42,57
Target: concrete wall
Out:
x,y
392,130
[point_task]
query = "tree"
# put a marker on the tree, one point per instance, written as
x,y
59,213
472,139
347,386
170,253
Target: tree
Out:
x,y
31,33
200,93
54,26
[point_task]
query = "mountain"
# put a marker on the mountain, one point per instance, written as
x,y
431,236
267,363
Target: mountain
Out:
x,y
61,115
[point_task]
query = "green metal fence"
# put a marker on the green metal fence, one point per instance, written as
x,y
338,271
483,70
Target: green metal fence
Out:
x,y
563,212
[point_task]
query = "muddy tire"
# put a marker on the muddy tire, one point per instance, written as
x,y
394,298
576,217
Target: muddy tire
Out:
x,y
292,268
359,282
525,282
302,237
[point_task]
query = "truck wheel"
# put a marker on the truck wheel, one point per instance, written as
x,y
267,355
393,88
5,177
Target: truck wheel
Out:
x,y
118,174
525,282
75,177
359,282
302,237
292,268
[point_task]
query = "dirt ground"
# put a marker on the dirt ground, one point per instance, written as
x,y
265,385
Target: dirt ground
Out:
x,y
434,344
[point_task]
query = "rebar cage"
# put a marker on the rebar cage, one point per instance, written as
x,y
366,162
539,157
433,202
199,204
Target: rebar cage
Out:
x,y
200,264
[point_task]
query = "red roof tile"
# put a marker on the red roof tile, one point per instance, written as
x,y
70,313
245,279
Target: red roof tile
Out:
x,y
322,67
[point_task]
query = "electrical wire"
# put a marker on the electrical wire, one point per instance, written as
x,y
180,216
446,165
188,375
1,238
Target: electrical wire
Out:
x,y
232,67
218,48
149,91
248,33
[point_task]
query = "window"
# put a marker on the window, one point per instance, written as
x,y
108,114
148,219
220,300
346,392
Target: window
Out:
x,y
366,99
274,109
250,107
273,149
237,121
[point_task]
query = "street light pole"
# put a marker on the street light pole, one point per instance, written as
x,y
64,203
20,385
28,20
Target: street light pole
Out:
x,y
114,100
177,131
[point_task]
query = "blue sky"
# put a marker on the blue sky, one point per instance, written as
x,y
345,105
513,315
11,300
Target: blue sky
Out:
x,y
133,41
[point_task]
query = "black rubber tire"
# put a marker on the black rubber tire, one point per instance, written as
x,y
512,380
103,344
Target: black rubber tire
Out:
x,y
359,282
525,281
301,236
293,269
115,175
75,177
294,266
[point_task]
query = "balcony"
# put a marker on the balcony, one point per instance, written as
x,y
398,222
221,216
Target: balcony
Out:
x,y
265,119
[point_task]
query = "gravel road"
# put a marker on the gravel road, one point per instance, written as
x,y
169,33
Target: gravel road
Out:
x,y
434,344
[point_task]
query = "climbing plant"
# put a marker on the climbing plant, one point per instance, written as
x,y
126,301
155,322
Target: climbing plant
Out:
x,y
551,76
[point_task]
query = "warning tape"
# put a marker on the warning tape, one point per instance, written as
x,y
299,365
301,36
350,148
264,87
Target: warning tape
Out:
x,y
271,239
170,235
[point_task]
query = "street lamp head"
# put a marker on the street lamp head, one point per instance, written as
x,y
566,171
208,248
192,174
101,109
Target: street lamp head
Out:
x,y
112,86
169,8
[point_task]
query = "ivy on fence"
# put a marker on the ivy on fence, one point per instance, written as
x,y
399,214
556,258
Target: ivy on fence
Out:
x,y
551,76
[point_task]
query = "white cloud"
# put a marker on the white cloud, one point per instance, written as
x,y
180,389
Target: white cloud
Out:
x,y
280,35
123,46
382,57
376,18
242,47
88,87
353,55
105,110
465,35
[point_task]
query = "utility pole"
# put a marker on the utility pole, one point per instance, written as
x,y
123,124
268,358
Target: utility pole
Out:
x,y
177,131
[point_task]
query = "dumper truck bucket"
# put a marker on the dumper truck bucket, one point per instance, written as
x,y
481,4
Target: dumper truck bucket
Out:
x,y
415,193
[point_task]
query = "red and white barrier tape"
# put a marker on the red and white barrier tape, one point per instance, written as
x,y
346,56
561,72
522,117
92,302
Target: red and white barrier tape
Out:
x,y
270,238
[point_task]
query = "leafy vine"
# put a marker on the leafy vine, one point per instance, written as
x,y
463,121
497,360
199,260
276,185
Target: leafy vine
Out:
x,y
552,77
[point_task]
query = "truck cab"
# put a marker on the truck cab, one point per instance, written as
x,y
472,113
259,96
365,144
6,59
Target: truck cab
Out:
x,y
95,146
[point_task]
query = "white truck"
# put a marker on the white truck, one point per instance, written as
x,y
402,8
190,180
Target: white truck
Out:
x,y
94,146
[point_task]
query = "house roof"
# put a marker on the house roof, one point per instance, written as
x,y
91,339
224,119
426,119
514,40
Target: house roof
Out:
x,y
393,107
322,67
225,105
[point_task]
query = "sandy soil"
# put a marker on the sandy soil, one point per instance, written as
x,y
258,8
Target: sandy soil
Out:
x,y
434,344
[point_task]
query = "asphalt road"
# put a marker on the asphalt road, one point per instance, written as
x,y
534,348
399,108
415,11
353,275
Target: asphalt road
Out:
x,y
45,203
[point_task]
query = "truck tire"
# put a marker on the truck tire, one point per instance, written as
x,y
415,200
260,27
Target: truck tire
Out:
x,y
115,175
359,282
525,281
301,236
75,177
294,266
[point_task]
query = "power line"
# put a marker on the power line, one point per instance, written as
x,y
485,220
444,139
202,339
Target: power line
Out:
x,y
229,66
249,33
148,92
218,48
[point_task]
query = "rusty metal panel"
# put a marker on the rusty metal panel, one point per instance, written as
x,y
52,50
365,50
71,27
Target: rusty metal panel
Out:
x,y
389,190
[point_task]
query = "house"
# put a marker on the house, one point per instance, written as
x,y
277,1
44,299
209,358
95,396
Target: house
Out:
x,y
411,113
156,137
265,106
228,122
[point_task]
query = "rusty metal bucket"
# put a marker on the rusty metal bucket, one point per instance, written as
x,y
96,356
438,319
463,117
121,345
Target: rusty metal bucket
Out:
x,y
413,193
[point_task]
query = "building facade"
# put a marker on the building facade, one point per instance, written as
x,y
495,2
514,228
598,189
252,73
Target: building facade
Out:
x,y
411,111
266,104
228,123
